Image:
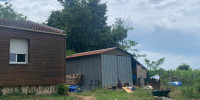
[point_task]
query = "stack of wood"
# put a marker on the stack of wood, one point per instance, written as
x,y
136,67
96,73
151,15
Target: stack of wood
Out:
x,y
74,79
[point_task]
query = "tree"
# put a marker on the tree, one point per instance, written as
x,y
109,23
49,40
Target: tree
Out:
x,y
119,33
184,66
154,65
84,22
7,12
86,29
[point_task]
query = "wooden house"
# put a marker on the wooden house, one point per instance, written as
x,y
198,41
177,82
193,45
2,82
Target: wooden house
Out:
x,y
31,54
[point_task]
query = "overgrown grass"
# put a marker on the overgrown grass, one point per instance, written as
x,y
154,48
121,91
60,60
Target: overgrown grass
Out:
x,y
177,93
36,97
105,94
185,93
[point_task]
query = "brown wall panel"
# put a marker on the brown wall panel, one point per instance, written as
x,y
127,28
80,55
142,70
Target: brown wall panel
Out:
x,y
46,59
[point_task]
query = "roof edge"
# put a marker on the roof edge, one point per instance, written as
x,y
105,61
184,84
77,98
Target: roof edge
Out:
x,y
72,56
33,30
140,63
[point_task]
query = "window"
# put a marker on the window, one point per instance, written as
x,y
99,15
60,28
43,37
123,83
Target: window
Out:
x,y
18,51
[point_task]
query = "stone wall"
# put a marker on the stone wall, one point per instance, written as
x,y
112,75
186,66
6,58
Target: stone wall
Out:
x,y
39,90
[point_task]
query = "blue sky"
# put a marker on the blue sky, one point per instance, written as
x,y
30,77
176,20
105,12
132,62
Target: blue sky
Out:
x,y
163,28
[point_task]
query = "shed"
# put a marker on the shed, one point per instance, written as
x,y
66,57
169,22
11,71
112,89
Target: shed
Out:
x,y
139,73
106,66
31,54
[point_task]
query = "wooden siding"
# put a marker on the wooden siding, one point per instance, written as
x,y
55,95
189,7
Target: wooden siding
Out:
x,y
46,59
89,66
141,72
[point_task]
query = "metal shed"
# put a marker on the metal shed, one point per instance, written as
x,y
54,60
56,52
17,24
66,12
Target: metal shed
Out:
x,y
105,66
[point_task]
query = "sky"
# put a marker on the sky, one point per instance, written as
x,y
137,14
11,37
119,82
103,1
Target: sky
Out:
x,y
163,28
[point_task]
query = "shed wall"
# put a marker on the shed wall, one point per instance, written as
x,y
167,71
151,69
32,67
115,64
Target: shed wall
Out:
x,y
117,52
109,70
141,72
124,69
116,68
89,66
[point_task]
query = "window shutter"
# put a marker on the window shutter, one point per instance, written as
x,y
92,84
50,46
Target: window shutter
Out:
x,y
18,46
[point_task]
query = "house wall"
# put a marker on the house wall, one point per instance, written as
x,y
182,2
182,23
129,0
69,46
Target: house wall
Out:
x,y
46,59
89,66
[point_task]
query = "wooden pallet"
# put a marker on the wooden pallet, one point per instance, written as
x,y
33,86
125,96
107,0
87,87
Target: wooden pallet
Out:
x,y
127,90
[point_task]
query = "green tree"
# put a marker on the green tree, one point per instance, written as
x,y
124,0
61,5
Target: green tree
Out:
x,y
153,68
84,22
119,33
7,12
184,66
154,65
86,29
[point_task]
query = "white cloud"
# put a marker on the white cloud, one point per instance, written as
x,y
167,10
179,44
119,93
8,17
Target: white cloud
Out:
x,y
171,61
179,15
35,10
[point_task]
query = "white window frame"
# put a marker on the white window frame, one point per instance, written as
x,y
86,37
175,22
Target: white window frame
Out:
x,y
15,62
16,54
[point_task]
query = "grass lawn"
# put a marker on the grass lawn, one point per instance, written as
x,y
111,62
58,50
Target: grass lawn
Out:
x,y
99,94
105,94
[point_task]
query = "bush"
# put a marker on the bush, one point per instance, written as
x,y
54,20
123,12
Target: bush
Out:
x,y
190,92
18,91
62,89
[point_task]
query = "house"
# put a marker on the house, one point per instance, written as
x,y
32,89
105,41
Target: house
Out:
x,y
102,67
31,54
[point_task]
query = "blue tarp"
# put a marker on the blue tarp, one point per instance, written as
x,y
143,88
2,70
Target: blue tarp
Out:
x,y
73,88
175,83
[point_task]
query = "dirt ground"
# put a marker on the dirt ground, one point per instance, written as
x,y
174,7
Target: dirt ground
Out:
x,y
86,98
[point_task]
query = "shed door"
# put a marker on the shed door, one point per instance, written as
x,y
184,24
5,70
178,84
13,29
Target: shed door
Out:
x,y
124,69
116,68
109,70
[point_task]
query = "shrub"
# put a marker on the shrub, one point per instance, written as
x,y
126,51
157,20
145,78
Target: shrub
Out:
x,y
62,89
188,91
17,91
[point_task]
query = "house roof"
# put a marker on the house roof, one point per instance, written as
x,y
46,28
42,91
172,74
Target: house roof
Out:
x,y
91,52
29,25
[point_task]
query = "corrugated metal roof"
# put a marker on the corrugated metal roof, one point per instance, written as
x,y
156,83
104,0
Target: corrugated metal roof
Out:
x,y
91,52
28,25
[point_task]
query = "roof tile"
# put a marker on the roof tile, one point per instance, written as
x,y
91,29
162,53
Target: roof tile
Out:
x,y
29,25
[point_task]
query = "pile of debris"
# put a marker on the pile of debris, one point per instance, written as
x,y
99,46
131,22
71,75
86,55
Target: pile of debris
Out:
x,y
74,79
